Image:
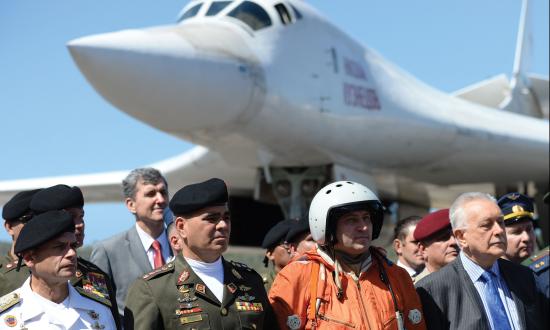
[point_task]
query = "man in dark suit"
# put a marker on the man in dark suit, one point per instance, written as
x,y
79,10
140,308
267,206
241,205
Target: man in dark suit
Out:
x,y
478,290
144,247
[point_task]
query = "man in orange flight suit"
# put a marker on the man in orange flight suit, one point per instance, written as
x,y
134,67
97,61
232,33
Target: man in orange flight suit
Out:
x,y
345,283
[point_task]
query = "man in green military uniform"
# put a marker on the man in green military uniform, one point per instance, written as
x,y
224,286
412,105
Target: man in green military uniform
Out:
x,y
16,212
88,276
200,289
278,251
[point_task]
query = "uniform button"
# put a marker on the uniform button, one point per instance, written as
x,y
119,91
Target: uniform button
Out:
x,y
224,311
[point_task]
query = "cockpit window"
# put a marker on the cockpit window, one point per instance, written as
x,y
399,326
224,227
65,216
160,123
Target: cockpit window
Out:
x,y
283,13
251,14
296,12
190,12
216,7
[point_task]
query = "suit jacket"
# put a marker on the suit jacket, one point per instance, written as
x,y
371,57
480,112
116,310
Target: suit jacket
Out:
x,y
123,258
451,301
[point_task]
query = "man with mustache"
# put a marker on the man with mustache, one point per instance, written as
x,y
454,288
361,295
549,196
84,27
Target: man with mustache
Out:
x,y
436,242
88,276
200,289
479,289
46,300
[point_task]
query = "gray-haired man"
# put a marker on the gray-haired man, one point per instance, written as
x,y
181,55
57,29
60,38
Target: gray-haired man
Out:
x,y
145,246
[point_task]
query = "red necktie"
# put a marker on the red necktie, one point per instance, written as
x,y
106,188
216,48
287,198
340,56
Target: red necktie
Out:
x,y
157,254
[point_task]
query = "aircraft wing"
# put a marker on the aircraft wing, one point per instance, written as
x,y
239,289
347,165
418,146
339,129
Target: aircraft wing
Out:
x,y
489,92
195,165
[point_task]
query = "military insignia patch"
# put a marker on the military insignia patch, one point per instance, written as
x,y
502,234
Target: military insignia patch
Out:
x,y
231,287
183,276
93,315
187,298
293,322
244,288
10,321
8,301
98,326
248,306
190,319
236,273
415,316
513,196
200,288
246,297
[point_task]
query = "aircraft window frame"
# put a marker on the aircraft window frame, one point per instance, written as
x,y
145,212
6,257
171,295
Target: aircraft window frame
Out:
x,y
255,20
220,6
297,13
194,10
284,13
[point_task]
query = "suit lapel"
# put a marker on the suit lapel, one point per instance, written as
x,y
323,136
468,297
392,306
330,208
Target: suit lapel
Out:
x,y
137,252
471,291
505,273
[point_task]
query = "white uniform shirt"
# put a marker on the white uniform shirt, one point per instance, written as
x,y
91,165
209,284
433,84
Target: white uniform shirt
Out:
x,y
36,312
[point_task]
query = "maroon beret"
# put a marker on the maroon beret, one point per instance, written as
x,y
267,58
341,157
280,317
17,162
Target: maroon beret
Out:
x,y
431,224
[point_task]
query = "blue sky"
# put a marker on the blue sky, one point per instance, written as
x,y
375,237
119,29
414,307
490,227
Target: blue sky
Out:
x,y
53,123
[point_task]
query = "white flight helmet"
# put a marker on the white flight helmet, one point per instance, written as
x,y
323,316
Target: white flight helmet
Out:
x,y
342,195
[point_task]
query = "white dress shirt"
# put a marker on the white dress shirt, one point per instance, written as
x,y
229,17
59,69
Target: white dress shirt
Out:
x,y
147,242
474,271
36,312
412,272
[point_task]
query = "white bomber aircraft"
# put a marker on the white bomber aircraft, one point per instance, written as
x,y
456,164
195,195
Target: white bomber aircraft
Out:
x,y
280,101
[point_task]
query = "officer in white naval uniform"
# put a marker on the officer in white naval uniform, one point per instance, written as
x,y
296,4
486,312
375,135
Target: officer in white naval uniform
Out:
x,y
46,300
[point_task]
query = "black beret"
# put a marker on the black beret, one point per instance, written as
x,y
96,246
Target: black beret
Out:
x,y
197,196
57,197
301,226
18,205
42,228
277,234
516,207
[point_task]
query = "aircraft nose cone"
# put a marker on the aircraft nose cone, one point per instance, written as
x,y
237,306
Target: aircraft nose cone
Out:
x,y
159,77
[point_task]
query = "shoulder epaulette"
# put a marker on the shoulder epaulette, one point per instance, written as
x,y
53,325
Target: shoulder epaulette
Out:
x,y
167,268
242,266
88,266
93,296
8,301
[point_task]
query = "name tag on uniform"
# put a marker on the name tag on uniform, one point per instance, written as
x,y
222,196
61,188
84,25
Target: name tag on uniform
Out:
x,y
190,319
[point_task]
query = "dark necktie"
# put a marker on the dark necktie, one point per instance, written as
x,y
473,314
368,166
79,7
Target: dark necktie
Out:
x,y
157,254
497,313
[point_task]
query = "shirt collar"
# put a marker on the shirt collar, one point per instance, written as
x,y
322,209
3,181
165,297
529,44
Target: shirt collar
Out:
x,y
409,270
147,240
475,271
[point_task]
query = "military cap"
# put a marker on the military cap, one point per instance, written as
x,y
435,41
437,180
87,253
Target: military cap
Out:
x,y
301,226
57,197
18,205
432,224
516,207
42,228
197,196
277,234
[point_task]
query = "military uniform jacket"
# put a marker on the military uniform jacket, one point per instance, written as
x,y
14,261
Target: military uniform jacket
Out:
x,y
93,280
24,309
540,265
10,278
174,297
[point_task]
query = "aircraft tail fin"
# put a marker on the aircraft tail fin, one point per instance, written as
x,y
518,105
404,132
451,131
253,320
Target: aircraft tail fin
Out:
x,y
524,93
